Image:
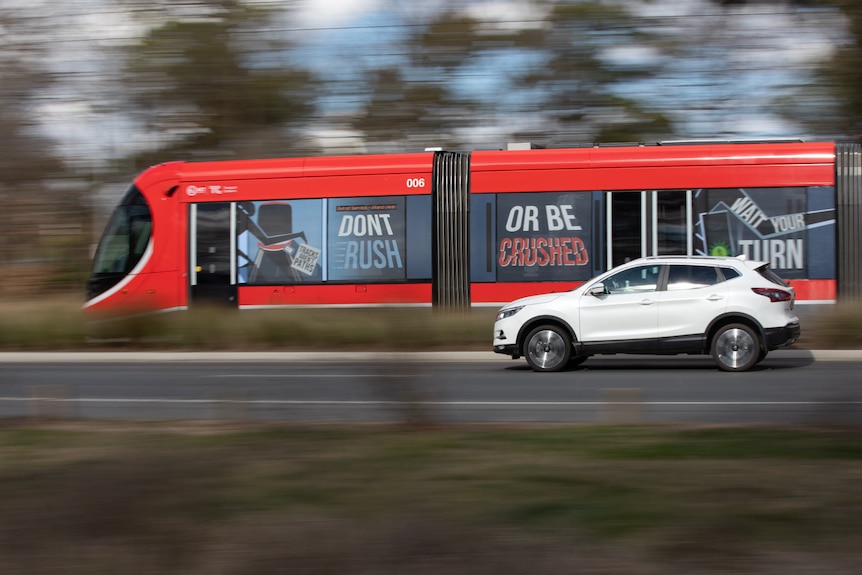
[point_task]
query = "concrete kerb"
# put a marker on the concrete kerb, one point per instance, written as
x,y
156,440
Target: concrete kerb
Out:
x,y
242,357
312,356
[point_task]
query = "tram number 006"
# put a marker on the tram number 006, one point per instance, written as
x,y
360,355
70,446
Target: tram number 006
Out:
x,y
415,182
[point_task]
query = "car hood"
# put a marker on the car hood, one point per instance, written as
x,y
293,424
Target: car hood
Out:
x,y
534,299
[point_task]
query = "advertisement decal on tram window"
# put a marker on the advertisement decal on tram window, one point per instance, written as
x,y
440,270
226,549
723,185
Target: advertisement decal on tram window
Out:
x,y
543,237
782,226
280,242
320,240
366,239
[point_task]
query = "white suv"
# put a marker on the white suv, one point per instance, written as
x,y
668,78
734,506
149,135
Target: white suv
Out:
x,y
734,309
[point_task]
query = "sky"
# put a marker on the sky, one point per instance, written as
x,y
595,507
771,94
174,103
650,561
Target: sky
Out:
x,y
729,97
333,13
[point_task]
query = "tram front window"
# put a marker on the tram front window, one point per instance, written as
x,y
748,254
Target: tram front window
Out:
x,y
123,244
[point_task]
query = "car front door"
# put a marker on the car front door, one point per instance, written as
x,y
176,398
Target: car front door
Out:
x,y
627,311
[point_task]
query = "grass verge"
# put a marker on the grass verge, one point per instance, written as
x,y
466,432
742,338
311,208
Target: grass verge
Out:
x,y
58,324
92,499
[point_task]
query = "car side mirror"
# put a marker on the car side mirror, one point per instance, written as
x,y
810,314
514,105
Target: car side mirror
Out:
x,y
598,289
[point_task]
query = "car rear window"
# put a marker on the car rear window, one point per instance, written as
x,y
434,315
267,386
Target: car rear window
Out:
x,y
771,275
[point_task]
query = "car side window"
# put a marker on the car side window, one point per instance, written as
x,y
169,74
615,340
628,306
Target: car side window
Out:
x,y
729,273
635,280
683,277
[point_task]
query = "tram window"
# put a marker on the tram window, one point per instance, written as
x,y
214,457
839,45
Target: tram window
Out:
x,y
626,226
140,229
125,240
671,221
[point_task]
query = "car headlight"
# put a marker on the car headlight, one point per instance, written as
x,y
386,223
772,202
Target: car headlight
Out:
x,y
508,312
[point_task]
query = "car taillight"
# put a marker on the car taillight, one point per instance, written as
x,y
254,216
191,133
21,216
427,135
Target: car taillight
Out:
x,y
773,294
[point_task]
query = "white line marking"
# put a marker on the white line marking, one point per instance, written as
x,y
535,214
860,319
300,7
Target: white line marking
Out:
x,y
280,375
440,403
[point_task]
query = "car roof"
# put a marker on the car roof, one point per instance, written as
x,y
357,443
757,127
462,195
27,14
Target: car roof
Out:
x,y
733,260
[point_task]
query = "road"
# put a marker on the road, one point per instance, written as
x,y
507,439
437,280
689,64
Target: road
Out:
x,y
789,387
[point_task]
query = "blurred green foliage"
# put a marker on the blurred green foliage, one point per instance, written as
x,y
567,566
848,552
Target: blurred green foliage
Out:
x,y
200,498
210,79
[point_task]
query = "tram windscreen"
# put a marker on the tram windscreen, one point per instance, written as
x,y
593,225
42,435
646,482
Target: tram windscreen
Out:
x,y
123,243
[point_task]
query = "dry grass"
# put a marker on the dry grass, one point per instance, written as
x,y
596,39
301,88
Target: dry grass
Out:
x,y
837,327
141,499
578,500
58,324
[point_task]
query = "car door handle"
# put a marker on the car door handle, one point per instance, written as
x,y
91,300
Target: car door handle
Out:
x,y
715,297
646,302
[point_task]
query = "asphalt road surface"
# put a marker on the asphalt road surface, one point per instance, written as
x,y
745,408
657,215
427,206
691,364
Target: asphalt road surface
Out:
x,y
787,388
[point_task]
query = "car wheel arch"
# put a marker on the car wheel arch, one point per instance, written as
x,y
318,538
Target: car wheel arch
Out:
x,y
544,320
729,318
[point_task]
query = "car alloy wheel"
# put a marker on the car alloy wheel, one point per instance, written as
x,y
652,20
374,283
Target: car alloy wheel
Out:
x,y
736,347
548,348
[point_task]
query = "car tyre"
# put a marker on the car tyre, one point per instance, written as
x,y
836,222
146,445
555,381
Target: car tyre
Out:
x,y
736,347
548,348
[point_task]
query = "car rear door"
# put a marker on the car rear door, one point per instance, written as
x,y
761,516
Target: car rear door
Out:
x,y
694,296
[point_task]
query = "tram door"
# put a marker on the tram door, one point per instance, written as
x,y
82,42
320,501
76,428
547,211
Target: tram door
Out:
x,y
647,223
212,279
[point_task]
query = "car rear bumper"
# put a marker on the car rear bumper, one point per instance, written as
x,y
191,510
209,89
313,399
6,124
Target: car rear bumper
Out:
x,y
781,336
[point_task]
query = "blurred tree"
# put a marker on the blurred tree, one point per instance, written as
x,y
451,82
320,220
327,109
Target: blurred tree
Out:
x,y
416,104
573,82
841,75
42,230
26,158
819,95
209,90
401,112
465,77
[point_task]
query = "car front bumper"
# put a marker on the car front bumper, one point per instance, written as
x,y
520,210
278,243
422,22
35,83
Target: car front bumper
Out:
x,y
510,349
506,337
